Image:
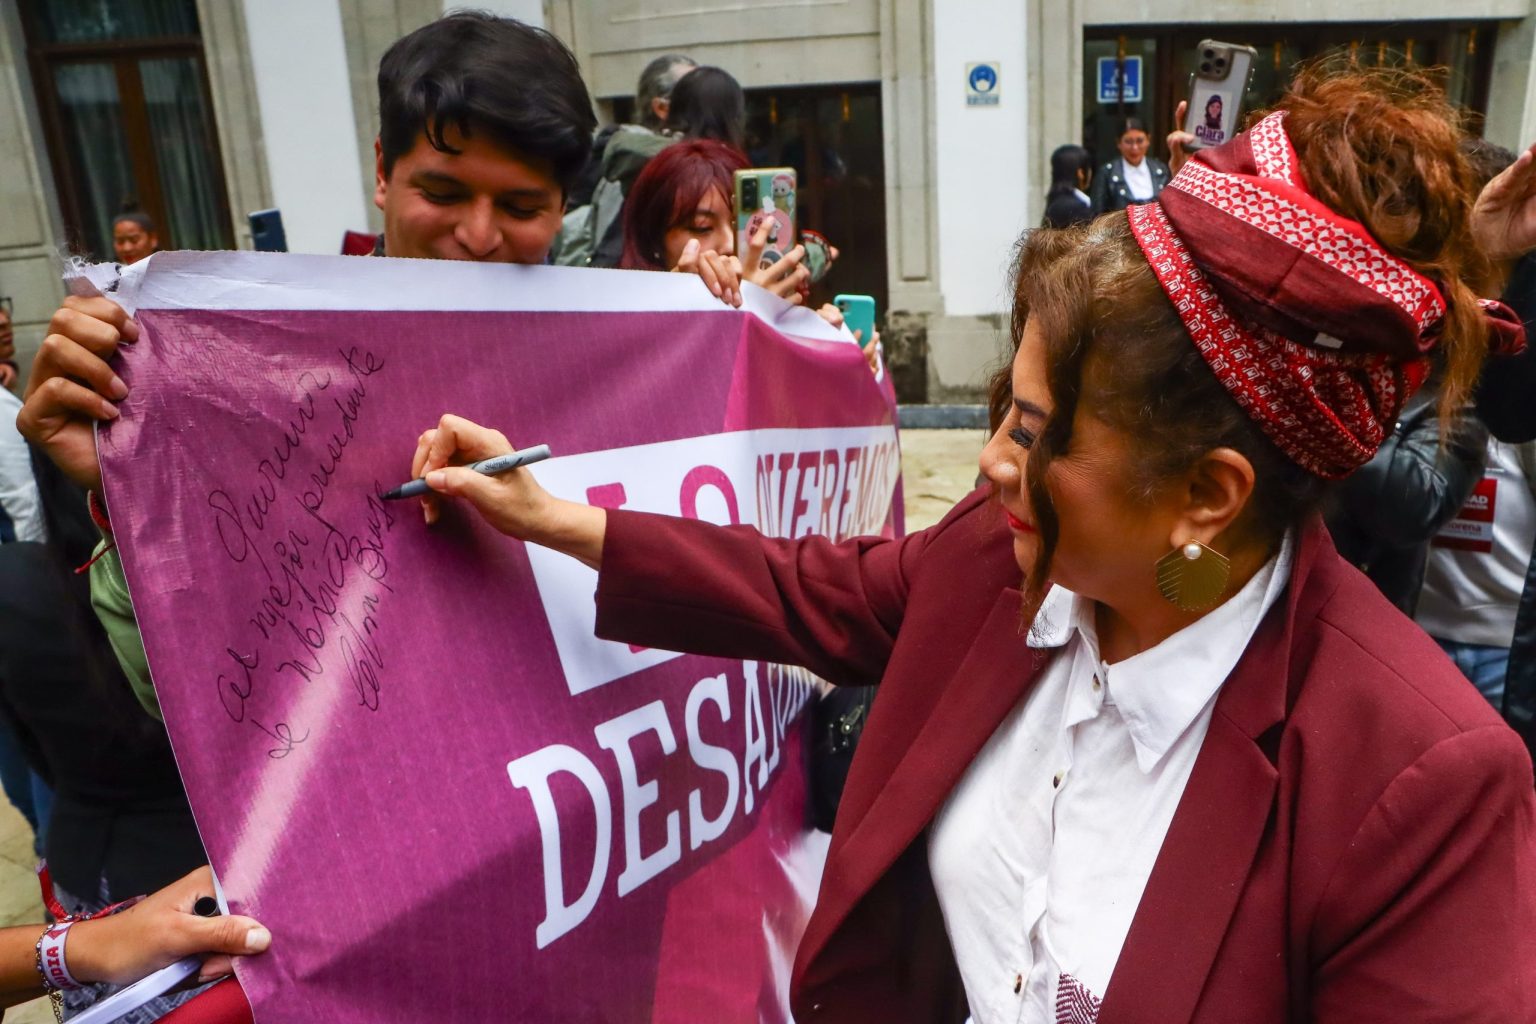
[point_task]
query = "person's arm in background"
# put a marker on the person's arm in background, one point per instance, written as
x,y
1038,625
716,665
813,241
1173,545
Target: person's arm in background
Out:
x,y
71,389
1504,224
114,610
1506,392
129,945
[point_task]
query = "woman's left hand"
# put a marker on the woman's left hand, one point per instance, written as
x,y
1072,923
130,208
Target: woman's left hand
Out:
x,y
157,932
721,274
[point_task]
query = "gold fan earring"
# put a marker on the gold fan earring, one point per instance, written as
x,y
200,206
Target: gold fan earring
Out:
x,y
1192,577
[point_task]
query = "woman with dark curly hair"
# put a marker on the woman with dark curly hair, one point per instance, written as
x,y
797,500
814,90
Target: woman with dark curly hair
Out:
x,y
1193,767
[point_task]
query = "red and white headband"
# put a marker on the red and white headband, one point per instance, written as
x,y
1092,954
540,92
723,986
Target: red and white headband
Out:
x,y
1317,331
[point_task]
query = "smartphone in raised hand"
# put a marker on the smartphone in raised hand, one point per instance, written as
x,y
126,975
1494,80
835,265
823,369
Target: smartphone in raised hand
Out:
x,y
1216,91
766,193
858,315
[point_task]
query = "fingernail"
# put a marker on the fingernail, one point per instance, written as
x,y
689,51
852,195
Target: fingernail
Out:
x,y
118,389
257,940
111,412
437,479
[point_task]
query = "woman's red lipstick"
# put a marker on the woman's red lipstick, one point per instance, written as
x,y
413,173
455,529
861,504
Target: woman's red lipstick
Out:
x,y
1018,524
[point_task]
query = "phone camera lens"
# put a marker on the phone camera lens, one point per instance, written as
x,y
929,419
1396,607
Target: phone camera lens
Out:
x,y
1208,54
1221,62
1205,66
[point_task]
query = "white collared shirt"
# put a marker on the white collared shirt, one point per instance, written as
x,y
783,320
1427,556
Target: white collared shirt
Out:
x,y
19,501
1138,179
1082,197
1041,853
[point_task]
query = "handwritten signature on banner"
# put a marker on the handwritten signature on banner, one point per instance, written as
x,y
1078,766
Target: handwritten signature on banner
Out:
x,y
324,583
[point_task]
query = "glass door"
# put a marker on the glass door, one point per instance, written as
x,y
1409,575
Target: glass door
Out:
x,y
128,119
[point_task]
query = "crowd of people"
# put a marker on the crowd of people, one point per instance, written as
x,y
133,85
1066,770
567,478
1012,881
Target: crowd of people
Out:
x,y
1157,744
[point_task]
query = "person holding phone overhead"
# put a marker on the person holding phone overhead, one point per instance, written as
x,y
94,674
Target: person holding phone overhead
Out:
x,y
1146,747
1134,177
679,217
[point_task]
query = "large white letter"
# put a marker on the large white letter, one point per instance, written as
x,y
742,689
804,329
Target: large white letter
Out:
x,y
532,772
615,736
706,755
756,748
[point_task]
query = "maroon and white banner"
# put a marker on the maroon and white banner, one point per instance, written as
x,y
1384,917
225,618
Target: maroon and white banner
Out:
x,y
405,750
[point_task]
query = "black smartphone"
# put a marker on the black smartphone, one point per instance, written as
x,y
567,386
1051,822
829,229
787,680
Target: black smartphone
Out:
x,y
267,231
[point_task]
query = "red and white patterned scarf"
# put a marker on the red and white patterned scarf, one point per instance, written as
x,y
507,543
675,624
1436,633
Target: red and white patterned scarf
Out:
x,y
1318,332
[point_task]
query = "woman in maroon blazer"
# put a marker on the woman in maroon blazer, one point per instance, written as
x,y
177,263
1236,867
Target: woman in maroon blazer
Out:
x,y
1194,767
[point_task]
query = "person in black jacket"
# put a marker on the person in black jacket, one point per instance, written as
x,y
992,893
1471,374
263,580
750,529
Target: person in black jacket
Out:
x,y
1386,513
1135,177
120,824
1066,203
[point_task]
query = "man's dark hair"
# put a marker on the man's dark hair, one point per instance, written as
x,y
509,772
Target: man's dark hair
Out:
x,y
707,103
656,82
475,72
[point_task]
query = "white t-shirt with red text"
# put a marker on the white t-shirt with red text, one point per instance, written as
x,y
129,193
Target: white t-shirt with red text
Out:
x,y
1478,561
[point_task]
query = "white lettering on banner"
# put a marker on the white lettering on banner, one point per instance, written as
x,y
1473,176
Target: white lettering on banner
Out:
x,y
532,773
706,755
835,482
787,690
615,736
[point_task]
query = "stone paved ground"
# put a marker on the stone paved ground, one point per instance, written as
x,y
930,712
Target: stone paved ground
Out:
x,y
938,468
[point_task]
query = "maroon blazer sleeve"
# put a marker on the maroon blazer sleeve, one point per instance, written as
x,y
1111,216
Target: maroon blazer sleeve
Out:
x,y
683,585
1427,915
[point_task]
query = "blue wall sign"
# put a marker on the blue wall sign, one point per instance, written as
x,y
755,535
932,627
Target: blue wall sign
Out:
x,y
1113,79
981,88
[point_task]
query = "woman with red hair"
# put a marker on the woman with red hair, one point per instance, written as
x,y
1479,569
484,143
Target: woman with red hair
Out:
x,y
679,216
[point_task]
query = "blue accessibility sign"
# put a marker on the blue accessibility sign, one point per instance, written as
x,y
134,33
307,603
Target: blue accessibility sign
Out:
x,y
981,84
1120,80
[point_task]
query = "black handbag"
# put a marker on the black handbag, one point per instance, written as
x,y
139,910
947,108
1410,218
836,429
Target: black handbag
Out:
x,y
837,722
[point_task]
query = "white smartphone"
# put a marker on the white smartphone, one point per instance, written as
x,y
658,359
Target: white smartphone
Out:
x,y
1216,90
